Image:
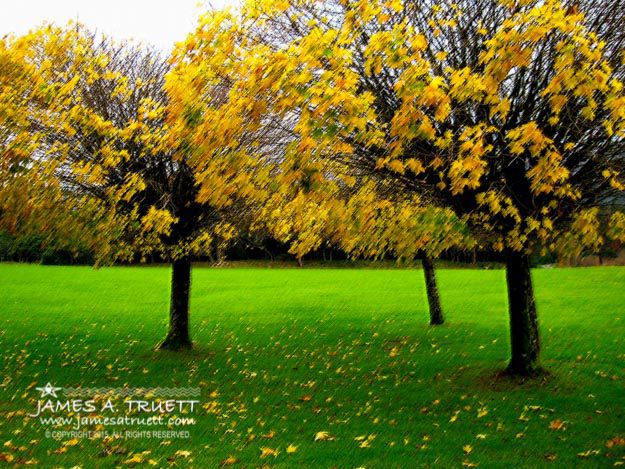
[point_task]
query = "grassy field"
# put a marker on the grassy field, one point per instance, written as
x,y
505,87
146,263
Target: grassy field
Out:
x,y
344,357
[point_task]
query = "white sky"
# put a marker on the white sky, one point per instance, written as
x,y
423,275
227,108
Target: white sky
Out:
x,y
158,22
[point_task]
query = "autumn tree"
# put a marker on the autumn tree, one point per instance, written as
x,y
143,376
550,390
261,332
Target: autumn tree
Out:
x,y
99,120
378,223
509,113
308,191
29,204
310,207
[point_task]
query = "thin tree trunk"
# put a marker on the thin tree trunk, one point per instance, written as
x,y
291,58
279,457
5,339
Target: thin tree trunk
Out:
x,y
178,336
434,302
525,342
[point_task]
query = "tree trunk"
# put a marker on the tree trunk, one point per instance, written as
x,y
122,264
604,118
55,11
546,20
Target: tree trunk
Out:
x,y
434,302
525,342
178,336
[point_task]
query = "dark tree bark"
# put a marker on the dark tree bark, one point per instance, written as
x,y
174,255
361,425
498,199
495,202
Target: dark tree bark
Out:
x,y
525,342
178,336
434,302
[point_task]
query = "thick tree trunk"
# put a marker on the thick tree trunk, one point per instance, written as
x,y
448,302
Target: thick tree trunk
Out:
x,y
434,302
525,342
178,336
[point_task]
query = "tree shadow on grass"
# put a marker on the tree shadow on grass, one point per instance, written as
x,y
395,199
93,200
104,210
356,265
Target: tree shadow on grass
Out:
x,y
500,380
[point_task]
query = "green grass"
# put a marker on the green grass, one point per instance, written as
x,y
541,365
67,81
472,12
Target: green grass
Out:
x,y
283,354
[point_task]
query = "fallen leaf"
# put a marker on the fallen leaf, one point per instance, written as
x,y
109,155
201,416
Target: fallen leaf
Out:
x,y
72,442
557,425
323,436
588,453
136,459
616,441
229,461
265,452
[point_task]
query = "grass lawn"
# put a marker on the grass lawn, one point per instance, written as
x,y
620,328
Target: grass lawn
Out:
x,y
283,354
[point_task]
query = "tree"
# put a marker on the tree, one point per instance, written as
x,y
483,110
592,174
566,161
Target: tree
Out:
x,y
98,112
30,207
510,113
307,190
407,228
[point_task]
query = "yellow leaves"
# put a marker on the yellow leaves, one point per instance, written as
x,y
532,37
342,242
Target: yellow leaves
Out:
x,y
72,442
323,436
616,441
364,441
414,165
466,85
466,171
291,449
396,165
393,48
613,177
527,137
140,458
616,226
266,452
133,185
136,459
467,449
229,461
158,221
588,453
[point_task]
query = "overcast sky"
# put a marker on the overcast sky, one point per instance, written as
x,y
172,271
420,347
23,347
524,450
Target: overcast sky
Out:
x,y
158,22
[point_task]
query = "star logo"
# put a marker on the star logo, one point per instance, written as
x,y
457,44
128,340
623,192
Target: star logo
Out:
x,y
48,390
